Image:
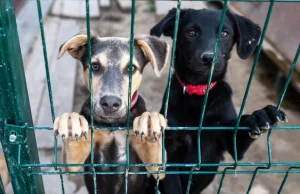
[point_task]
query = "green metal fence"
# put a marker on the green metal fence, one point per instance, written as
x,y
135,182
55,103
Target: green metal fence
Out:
x,y
17,131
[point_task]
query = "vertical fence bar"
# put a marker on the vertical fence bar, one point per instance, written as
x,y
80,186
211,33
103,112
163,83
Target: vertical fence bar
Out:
x,y
206,94
189,181
209,79
166,100
272,2
285,178
88,26
15,107
157,182
222,179
41,22
245,98
286,85
129,93
55,165
278,107
172,57
39,8
252,74
279,104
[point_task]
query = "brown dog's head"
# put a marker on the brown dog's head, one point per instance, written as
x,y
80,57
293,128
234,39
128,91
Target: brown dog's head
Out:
x,y
110,64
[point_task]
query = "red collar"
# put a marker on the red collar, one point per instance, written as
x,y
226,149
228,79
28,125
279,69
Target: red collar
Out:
x,y
195,89
134,99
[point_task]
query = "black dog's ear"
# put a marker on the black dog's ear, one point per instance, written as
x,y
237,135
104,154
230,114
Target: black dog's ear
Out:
x,y
166,25
248,34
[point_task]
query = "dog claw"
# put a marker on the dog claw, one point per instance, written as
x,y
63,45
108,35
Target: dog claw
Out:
x,y
257,131
63,137
76,137
278,119
155,135
56,133
142,136
267,125
135,134
85,135
253,135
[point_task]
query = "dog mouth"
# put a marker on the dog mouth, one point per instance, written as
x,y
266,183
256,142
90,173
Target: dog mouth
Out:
x,y
202,70
206,69
110,117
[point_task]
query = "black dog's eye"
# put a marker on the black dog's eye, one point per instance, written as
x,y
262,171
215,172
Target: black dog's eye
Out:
x,y
134,68
224,34
191,33
95,66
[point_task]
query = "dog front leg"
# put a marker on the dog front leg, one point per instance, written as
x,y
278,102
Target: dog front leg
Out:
x,y
259,122
147,142
73,128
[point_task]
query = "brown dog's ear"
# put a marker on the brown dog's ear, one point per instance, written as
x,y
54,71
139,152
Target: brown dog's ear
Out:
x,y
75,46
156,52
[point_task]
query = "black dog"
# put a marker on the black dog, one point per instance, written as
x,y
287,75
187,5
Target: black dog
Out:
x,y
197,35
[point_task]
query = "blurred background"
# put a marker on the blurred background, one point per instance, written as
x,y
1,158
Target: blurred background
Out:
x,y
64,18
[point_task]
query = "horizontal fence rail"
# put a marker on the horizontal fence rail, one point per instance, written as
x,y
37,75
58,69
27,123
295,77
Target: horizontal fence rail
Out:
x,y
29,166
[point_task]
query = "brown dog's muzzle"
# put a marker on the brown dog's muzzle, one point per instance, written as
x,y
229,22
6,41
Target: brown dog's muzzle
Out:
x,y
110,104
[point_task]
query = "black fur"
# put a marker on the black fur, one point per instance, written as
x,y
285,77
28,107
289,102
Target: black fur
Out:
x,y
185,110
115,184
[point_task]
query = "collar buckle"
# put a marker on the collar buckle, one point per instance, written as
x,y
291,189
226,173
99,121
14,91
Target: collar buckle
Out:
x,y
184,89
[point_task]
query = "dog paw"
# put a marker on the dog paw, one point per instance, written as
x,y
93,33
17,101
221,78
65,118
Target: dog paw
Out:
x,y
149,125
71,126
262,120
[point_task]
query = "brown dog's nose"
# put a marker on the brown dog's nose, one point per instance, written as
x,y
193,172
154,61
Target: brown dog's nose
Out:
x,y
110,104
207,58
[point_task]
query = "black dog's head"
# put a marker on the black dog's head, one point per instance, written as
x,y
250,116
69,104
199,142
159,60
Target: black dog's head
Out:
x,y
197,37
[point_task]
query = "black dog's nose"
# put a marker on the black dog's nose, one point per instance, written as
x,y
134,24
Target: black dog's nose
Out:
x,y
110,104
207,58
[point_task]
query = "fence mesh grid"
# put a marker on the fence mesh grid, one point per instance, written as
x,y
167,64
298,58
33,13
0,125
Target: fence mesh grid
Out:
x,y
229,168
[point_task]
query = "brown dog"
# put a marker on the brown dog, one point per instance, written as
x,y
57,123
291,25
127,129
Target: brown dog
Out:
x,y
4,171
110,64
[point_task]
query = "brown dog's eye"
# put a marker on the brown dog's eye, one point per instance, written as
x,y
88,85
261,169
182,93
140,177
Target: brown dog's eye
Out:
x,y
134,68
95,66
192,33
224,34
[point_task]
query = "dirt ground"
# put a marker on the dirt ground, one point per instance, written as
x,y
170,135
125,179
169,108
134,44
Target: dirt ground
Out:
x,y
263,92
